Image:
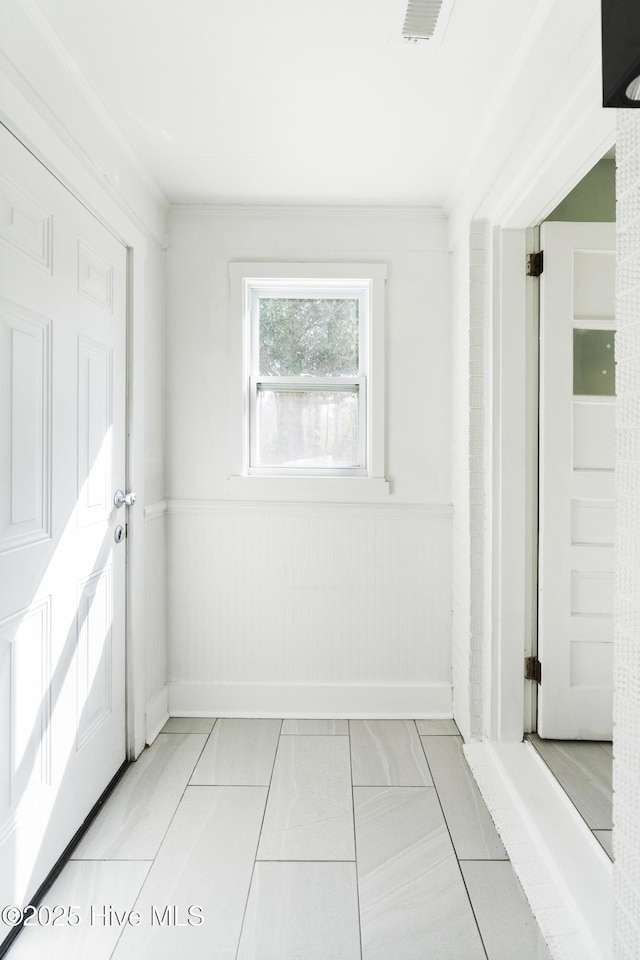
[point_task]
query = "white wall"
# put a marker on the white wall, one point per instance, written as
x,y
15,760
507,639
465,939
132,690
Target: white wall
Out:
x,y
461,530
154,505
470,522
308,608
626,710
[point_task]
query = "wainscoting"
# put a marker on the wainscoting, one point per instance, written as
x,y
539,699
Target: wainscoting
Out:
x,y
309,609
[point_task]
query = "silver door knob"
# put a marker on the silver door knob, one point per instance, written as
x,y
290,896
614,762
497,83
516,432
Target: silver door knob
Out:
x,y
122,499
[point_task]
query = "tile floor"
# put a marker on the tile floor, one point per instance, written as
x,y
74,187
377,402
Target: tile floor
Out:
x,y
293,840
584,769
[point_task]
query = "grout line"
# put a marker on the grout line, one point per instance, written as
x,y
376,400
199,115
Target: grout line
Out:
x,y
306,860
255,859
400,786
124,926
113,860
355,841
214,786
151,863
482,860
455,852
185,733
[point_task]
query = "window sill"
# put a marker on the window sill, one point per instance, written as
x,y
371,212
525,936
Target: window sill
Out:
x,y
308,489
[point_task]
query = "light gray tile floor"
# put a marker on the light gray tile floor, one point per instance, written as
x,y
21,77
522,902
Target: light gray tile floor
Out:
x,y
472,831
491,882
238,753
97,892
132,824
387,753
584,769
319,727
437,728
206,861
302,911
413,902
604,838
189,725
309,815
390,884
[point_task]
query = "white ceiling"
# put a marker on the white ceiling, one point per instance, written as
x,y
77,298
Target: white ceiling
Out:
x,y
292,101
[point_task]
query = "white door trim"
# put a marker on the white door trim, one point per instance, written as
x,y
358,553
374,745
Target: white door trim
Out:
x,y
24,121
563,910
511,486
514,324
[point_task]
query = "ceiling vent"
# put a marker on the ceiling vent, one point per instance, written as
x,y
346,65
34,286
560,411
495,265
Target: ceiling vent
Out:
x,y
426,19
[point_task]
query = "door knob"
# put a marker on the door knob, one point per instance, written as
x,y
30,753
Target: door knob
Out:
x,y
122,499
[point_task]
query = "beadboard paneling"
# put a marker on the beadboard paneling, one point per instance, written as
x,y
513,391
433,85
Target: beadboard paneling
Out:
x,y
155,517
309,599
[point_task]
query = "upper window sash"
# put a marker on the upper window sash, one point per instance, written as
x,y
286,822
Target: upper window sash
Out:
x,y
330,290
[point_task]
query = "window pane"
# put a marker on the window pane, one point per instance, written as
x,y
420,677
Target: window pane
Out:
x,y
307,428
594,370
306,337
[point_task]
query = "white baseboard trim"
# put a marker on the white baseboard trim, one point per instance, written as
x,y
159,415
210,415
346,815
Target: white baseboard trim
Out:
x,y
319,701
157,714
565,873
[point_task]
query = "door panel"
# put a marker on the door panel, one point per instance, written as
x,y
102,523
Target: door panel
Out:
x,y
577,495
62,576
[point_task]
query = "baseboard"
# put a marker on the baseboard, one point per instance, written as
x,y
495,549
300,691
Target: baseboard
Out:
x,y
157,714
565,873
321,701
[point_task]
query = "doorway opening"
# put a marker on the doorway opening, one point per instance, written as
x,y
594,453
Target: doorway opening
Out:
x,y
572,729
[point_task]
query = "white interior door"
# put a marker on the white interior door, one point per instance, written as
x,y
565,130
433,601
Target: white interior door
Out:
x,y
62,575
577,496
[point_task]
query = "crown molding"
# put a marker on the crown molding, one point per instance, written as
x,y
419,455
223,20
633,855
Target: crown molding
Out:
x,y
300,211
68,64
544,128
492,117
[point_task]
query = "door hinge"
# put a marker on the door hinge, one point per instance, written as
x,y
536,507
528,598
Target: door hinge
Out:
x,y
535,264
532,669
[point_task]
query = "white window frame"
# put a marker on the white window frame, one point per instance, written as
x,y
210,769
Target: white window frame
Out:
x,y
366,280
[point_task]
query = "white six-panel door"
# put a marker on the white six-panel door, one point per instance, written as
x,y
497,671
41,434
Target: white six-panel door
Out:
x,y
62,575
577,496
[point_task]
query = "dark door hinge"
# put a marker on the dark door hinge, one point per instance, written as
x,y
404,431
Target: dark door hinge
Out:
x,y
535,264
532,669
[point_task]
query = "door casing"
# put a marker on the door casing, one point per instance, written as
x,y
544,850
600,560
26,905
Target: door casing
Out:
x,y
510,599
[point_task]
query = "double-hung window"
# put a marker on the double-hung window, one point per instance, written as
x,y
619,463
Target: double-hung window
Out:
x,y
313,382
308,377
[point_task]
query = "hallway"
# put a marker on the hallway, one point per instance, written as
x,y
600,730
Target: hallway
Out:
x,y
291,840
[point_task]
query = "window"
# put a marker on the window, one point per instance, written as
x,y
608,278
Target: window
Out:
x,y
312,370
308,377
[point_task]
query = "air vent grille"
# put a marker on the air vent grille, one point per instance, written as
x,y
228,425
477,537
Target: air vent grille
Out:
x,y
424,18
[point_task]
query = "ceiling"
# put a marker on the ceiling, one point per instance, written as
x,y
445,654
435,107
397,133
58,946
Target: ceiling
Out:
x,y
289,101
